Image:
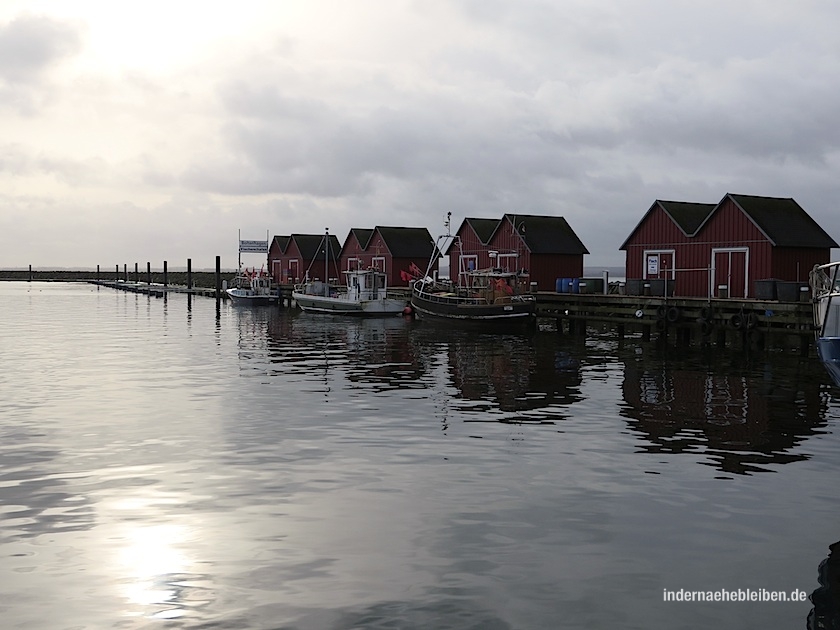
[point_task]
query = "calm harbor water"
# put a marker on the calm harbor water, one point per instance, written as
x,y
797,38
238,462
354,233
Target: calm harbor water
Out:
x,y
165,465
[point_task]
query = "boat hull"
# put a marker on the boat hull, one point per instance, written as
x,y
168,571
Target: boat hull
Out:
x,y
828,349
453,309
239,296
339,306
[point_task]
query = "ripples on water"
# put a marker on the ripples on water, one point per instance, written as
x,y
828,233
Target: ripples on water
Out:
x,y
260,468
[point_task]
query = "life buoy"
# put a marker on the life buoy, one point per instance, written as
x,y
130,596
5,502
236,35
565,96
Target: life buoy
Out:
x,y
673,315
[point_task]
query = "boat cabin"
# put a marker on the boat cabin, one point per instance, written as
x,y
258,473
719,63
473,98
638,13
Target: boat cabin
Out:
x,y
365,284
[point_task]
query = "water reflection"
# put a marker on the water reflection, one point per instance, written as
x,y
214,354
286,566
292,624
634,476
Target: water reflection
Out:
x,y
508,373
514,374
743,418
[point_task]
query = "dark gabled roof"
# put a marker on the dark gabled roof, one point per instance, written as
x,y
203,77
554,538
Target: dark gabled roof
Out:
x,y
363,236
687,216
545,235
282,242
312,246
783,221
407,242
483,228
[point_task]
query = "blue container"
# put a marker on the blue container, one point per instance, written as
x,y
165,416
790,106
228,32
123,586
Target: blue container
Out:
x,y
565,285
575,285
558,285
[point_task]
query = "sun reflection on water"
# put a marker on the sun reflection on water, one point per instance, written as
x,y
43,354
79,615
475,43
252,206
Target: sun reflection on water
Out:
x,y
152,561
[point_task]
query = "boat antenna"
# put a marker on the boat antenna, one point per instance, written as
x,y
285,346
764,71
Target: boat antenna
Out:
x,y
447,223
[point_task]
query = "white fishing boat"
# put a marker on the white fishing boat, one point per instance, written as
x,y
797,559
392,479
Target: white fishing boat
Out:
x,y
825,291
365,293
252,287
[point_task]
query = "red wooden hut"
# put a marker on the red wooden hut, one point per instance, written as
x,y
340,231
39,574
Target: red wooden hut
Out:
x,y
394,250
291,258
474,235
665,239
543,246
740,240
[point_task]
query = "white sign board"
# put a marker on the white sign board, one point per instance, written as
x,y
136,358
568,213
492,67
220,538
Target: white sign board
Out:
x,y
253,247
653,265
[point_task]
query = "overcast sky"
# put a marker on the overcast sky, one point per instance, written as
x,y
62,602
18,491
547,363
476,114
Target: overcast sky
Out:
x,y
133,132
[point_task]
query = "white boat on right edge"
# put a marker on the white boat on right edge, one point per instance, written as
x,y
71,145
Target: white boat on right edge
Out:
x,y
365,293
825,291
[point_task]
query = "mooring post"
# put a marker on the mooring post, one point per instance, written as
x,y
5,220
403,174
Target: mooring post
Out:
x,y
136,273
125,271
149,273
804,344
30,273
218,278
97,273
189,274
117,274
165,275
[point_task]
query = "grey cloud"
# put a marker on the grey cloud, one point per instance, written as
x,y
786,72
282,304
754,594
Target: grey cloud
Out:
x,y
303,145
30,44
16,160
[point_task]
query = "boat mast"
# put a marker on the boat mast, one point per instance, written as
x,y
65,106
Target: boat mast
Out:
x,y
327,262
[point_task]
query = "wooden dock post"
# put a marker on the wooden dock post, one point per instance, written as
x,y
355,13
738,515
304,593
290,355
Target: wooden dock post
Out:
x,y
189,274
117,273
149,273
125,271
165,275
30,273
218,278
97,273
804,344
136,273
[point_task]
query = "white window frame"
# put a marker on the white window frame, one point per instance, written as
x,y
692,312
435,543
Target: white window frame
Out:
x,y
294,267
374,262
463,262
659,252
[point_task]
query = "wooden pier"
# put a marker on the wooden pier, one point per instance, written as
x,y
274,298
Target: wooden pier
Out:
x,y
156,290
757,323
746,323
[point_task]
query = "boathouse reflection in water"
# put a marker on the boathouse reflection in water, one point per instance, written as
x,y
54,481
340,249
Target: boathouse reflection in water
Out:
x,y
740,422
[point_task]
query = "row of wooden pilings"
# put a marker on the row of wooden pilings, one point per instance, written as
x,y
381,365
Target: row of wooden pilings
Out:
x,y
122,280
